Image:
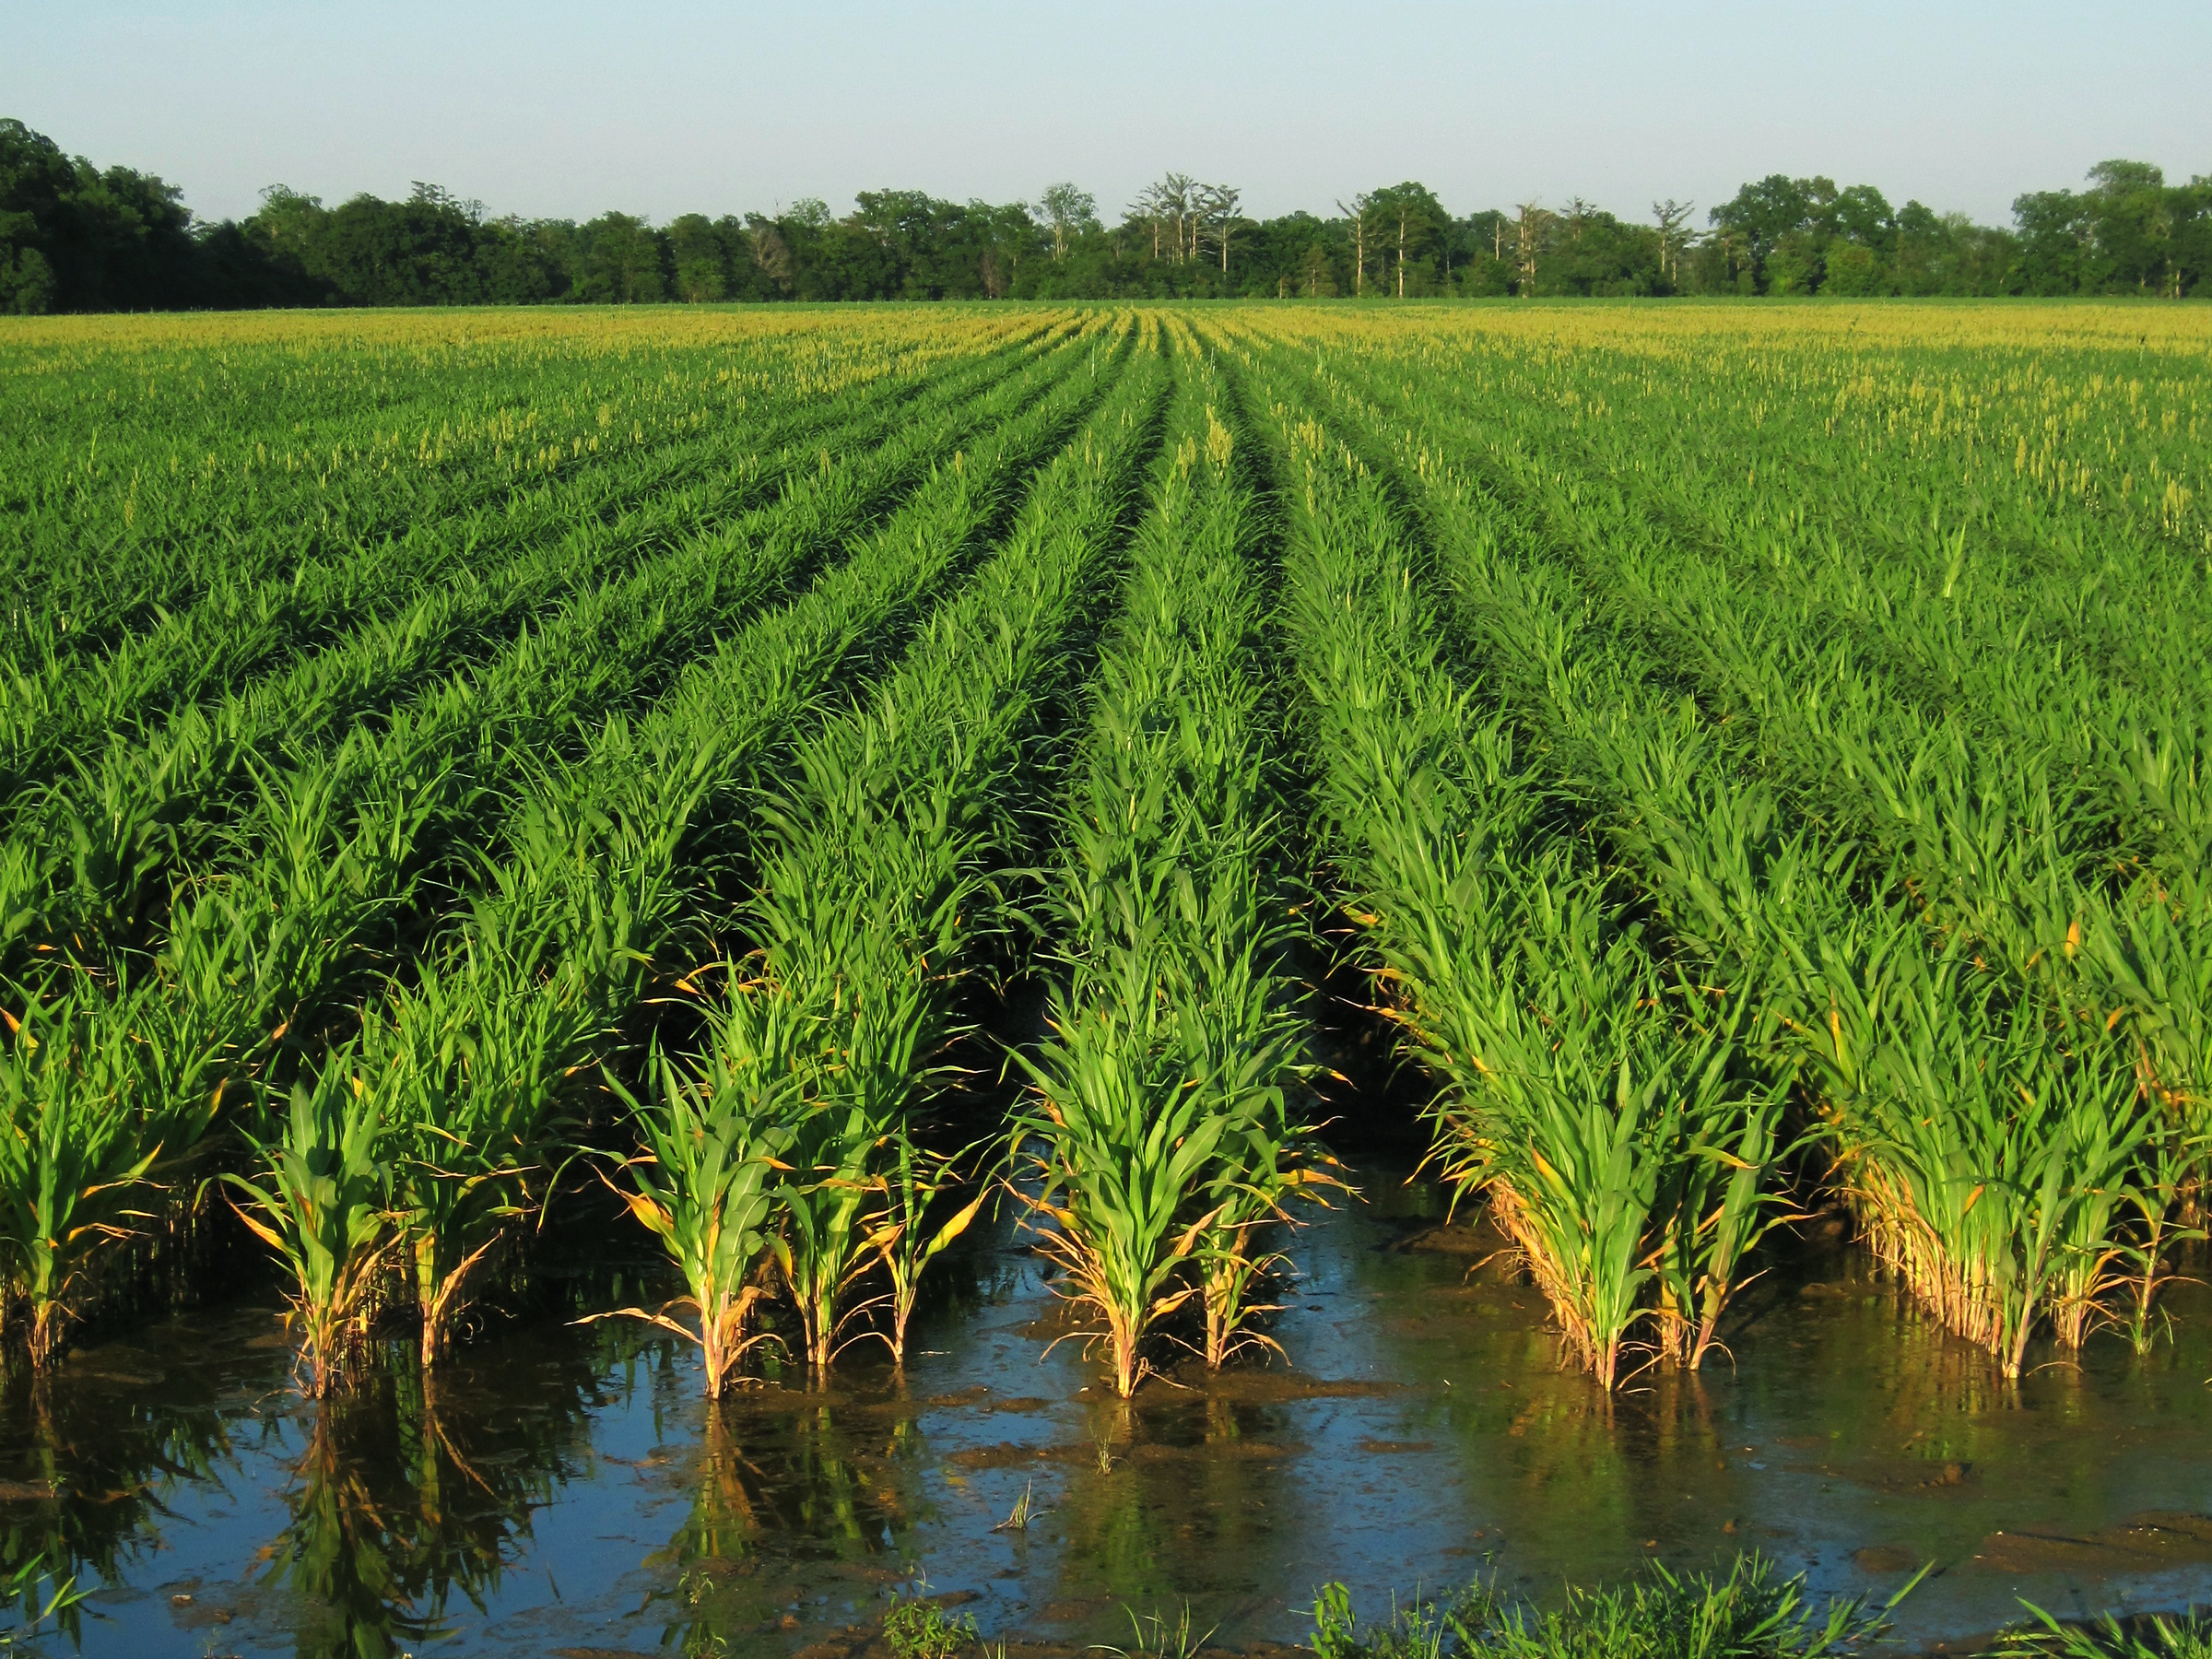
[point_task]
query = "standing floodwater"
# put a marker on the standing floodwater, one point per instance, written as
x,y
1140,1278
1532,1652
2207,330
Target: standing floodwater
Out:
x,y
566,1488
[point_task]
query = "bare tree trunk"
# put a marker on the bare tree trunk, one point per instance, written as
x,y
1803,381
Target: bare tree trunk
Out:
x,y
1533,220
1355,211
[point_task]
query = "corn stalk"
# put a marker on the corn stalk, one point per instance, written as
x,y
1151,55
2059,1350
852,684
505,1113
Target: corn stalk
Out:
x,y
321,1199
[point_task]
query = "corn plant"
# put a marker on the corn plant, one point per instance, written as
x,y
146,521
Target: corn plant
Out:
x,y
1603,1114
319,1197
2155,1229
1988,1158
444,588
1122,1144
348,467
73,1157
559,944
914,1180
1268,1156
1609,1138
857,922
149,803
314,864
1988,843
1857,718
470,1119
285,835
2149,959
1727,1206
709,1185
480,1056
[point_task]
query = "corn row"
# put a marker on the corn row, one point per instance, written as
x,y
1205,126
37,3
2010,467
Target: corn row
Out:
x,y
1999,1219
496,565
876,889
1600,1105
246,961
1166,1129
469,1066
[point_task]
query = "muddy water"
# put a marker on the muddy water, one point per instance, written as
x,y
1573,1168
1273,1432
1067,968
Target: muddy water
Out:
x,y
564,1490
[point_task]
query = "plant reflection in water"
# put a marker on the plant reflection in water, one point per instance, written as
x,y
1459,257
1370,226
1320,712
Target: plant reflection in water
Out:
x,y
408,1499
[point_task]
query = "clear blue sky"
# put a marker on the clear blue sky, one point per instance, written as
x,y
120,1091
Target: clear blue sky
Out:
x,y
568,110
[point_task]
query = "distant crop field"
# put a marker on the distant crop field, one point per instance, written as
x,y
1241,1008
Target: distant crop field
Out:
x,y
1750,758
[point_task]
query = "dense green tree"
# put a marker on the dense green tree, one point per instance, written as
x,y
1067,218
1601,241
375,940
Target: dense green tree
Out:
x,y
1070,211
418,252
1853,269
1409,222
621,262
35,179
77,237
1861,214
2129,232
517,262
698,260
126,241
1587,251
1763,215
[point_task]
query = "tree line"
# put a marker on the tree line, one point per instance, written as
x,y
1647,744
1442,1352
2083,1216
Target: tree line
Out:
x,y
75,237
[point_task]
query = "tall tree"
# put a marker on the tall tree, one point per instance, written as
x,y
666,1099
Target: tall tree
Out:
x,y
1673,236
78,237
1313,270
1070,212
1407,219
1762,214
698,260
1178,196
1356,210
2132,220
1216,208
622,264
1008,232
1532,220
1150,209
35,179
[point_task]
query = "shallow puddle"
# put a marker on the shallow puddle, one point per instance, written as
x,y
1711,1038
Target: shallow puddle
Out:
x,y
565,1490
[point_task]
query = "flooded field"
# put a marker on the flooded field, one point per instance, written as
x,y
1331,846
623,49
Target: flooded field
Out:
x,y
788,771
566,1489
